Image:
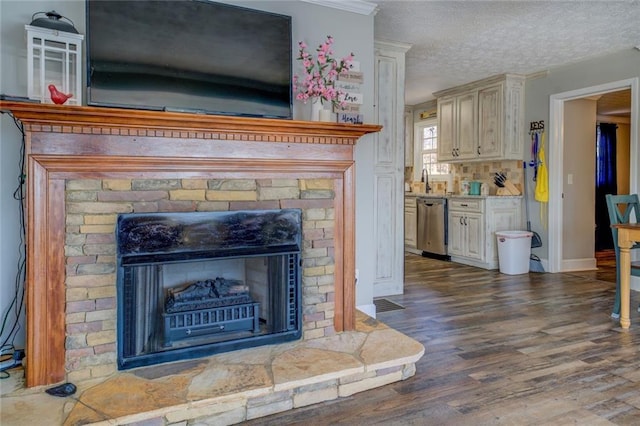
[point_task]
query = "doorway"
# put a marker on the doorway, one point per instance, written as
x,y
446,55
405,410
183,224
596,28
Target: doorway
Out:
x,y
556,155
612,161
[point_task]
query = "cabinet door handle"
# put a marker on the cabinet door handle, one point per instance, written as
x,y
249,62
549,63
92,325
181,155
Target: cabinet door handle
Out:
x,y
478,149
461,223
465,221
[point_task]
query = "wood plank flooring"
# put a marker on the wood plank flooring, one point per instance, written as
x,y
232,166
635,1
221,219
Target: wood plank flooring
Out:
x,y
533,349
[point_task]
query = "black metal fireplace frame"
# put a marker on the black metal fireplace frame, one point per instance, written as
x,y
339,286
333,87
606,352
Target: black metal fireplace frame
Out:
x,y
280,234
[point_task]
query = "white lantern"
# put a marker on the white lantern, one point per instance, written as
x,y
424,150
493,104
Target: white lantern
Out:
x,y
54,58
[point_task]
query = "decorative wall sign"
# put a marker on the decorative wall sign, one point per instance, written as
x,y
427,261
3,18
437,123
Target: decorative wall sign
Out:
x,y
352,76
350,118
350,83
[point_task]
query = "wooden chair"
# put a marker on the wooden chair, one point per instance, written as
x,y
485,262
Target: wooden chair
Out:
x,y
621,207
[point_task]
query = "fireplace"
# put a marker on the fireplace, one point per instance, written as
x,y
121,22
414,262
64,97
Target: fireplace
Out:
x,y
196,284
109,148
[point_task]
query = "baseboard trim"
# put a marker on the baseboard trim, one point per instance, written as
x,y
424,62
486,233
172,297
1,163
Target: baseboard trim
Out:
x,y
586,264
369,309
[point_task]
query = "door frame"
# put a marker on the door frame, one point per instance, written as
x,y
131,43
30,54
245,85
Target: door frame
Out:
x,y
555,152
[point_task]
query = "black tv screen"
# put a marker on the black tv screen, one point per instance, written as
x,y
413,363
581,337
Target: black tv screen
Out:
x,y
189,55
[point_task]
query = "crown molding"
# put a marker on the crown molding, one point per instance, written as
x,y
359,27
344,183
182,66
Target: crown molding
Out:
x,y
537,74
396,46
356,6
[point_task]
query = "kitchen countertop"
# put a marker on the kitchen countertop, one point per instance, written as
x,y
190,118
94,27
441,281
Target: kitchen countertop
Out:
x,y
430,195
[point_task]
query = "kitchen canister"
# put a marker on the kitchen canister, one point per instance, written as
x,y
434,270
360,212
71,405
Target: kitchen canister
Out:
x,y
474,188
464,187
484,189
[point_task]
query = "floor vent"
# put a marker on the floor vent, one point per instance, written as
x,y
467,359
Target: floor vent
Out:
x,y
386,305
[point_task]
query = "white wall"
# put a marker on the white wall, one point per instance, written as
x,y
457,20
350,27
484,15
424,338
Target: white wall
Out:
x,y
311,23
605,69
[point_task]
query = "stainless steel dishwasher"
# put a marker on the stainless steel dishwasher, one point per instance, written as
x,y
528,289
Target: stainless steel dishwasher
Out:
x,y
432,226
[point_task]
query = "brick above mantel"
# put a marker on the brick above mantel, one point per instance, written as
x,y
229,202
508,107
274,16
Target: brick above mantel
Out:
x,y
73,142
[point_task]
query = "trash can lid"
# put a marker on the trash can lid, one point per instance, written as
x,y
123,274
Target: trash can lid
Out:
x,y
514,234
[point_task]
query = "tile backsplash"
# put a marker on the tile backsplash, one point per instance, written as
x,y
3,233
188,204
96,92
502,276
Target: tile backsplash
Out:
x,y
480,171
485,171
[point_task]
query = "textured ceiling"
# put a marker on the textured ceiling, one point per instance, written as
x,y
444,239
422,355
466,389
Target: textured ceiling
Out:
x,y
457,42
615,103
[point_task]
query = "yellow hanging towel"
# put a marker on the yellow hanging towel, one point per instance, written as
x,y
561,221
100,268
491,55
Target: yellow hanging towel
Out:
x,y
542,183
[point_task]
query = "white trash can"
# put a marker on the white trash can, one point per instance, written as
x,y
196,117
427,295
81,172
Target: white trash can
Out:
x,y
514,250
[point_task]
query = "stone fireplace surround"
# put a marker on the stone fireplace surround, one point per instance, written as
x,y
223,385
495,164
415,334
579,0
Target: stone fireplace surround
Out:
x,y
67,146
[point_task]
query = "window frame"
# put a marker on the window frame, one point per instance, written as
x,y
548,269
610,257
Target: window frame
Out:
x,y
417,153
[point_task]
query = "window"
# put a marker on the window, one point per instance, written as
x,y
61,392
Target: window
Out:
x,y
427,148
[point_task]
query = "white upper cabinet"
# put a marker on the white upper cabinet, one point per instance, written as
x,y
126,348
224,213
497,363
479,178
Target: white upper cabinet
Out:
x,y
483,120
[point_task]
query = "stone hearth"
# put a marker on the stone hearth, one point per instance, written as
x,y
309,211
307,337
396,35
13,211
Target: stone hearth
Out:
x,y
228,388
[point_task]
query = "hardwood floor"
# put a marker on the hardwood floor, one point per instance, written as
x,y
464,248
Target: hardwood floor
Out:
x,y
533,349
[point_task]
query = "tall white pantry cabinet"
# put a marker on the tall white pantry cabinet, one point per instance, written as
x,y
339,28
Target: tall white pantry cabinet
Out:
x,y
389,161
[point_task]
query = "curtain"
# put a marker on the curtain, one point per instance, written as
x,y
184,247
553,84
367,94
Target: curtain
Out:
x,y
605,182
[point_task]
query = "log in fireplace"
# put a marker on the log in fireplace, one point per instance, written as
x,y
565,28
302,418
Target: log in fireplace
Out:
x,y
195,284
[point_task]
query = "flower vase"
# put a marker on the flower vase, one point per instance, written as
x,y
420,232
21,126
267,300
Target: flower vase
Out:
x,y
327,115
320,113
316,107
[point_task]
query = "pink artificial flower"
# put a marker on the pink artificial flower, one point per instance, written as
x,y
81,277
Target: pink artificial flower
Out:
x,y
320,74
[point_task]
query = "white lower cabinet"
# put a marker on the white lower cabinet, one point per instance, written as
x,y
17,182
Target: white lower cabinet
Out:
x,y
465,234
473,223
411,225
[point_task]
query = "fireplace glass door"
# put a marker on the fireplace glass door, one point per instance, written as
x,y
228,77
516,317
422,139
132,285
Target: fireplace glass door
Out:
x,y
177,303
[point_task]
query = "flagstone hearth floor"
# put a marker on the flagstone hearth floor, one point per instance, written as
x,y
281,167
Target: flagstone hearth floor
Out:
x,y
227,388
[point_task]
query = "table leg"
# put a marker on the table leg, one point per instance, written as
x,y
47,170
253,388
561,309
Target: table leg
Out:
x,y
625,292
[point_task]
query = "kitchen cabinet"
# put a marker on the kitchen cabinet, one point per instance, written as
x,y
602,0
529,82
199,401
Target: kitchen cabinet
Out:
x,y
465,229
473,223
387,250
411,225
483,120
457,127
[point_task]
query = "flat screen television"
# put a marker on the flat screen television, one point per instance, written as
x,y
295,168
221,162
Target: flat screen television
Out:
x,y
189,55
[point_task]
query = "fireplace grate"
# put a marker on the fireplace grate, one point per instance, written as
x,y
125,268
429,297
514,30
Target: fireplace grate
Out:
x,y
185,325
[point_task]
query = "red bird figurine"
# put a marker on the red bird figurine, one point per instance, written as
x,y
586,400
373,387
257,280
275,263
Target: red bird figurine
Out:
x,y
57,96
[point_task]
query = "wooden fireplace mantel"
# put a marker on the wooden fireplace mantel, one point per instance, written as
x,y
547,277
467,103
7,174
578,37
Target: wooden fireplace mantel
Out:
x,y
76,142
51,117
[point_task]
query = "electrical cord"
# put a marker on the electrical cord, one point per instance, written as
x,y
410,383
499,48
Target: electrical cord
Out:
x,y
17,303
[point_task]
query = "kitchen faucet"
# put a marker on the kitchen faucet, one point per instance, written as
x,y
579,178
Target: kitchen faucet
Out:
x,y
425,179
